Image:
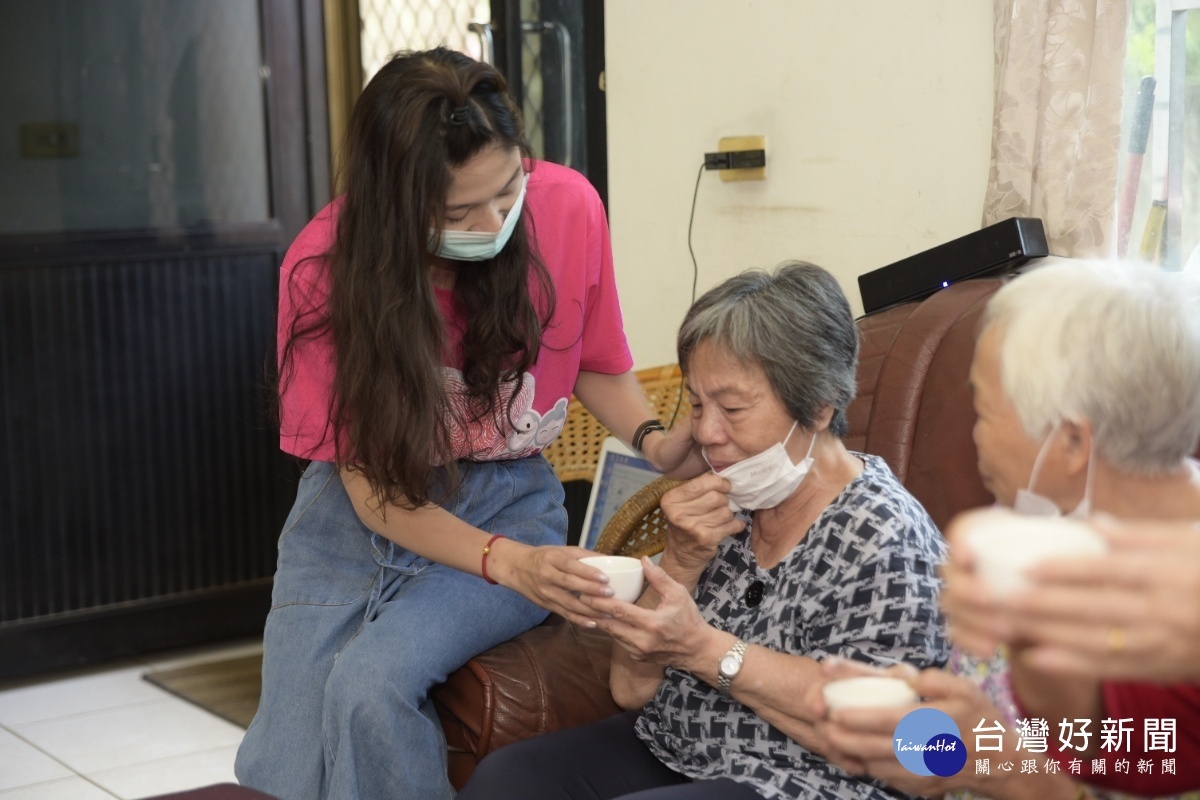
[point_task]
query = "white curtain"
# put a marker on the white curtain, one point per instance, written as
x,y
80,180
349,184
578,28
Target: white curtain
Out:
x,y
1056,127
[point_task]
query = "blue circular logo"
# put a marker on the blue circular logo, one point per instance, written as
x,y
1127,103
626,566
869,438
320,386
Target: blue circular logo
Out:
x,y
927,742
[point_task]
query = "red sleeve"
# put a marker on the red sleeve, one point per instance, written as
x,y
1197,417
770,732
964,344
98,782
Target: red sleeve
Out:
x,y
1147,753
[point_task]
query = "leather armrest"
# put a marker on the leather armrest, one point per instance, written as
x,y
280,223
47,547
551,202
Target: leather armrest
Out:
x,y
553,676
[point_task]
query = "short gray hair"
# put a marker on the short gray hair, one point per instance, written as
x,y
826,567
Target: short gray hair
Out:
x,y
794,323
1116,344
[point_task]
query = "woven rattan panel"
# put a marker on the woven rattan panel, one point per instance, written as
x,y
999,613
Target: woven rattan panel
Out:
x,y
638,528
576,451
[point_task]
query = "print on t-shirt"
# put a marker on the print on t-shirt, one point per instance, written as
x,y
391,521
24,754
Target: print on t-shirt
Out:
x,y
499,438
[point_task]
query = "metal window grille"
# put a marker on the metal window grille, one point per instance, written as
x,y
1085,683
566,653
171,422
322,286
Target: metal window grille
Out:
x,y
547,104
531,67
392,25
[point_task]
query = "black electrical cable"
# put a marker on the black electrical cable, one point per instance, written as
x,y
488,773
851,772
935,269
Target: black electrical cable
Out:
x,y
691,219
695,275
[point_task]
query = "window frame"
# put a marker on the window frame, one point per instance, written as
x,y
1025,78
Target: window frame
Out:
x,y
1167,133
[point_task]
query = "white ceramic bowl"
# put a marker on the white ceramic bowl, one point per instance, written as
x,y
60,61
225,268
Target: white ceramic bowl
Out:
x,y
624,575
1005,545
868,691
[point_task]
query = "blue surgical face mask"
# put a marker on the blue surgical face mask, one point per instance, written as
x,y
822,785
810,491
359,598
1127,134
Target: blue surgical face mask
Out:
x,y
477,245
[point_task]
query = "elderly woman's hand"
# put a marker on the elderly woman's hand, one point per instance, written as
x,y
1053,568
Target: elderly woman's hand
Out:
x,y
978,622
667,634
856,745
861,740
1133,613
698,518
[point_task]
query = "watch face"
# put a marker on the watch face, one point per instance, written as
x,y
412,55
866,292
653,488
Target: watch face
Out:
x,y
729,665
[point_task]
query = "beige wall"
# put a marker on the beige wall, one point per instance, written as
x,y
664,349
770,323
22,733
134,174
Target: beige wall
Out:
x,y
878,122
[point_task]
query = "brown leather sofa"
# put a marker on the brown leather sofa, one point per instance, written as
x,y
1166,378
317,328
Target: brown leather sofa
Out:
x,y
913,409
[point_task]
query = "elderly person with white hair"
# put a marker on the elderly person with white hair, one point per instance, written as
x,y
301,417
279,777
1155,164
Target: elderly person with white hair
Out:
x,y
826,555
1086,382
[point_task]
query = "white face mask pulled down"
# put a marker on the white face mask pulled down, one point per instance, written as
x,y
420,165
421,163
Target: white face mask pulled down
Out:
x,y
1032,504
767,479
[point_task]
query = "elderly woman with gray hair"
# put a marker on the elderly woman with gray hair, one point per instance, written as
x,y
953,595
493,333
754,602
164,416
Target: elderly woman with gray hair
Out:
x,y
791,550
1086,382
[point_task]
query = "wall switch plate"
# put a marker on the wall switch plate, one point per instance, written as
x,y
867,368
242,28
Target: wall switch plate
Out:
x,y
49,140
738,143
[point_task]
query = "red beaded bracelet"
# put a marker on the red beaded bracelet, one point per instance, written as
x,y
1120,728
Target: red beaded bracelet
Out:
x,y
487,548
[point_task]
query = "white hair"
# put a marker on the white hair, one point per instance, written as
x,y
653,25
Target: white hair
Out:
x,y
1115,344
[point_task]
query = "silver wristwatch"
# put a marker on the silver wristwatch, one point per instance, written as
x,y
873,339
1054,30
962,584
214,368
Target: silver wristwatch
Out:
x,y
730,665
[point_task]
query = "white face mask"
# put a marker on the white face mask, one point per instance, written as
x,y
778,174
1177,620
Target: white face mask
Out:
x,y
767,479
1032,504
477,245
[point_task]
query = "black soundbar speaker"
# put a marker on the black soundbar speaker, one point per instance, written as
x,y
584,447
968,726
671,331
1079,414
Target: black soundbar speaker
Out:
x,y
993,250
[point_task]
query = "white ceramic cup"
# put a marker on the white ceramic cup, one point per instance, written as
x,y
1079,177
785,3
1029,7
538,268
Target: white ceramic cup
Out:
x,y
624,575
868,691
1005,545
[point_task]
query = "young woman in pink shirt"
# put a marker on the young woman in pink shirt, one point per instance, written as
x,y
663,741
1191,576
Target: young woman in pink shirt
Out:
x,y
433,322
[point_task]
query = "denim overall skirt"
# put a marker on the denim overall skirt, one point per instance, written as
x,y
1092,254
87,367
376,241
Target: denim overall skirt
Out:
x,y
360,631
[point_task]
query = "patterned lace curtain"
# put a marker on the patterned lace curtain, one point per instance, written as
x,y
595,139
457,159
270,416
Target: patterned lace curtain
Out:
x,y
1056,128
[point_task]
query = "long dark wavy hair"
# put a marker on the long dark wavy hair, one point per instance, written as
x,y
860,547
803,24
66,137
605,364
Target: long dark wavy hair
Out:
x,y
390,408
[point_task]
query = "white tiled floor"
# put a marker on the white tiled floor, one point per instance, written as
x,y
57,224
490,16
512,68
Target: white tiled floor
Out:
x,y
106,733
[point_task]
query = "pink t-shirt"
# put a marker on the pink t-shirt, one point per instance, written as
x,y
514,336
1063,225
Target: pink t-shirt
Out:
x,y
585,333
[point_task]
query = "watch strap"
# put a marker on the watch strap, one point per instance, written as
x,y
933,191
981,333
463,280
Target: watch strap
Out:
x,y
723,678
645,428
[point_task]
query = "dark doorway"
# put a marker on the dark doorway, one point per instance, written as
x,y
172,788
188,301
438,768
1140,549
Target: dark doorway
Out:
x,y
169,152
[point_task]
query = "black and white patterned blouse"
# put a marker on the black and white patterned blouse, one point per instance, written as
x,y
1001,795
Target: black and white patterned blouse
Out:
x,y
862,584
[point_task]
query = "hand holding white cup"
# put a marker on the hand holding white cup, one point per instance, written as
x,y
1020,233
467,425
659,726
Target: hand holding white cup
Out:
x,y
1006,545
624,575
868,691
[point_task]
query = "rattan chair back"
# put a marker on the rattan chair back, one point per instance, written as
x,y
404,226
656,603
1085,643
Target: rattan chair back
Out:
x,y
576,452
638,528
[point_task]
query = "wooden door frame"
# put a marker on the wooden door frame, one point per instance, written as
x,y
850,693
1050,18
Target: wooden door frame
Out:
x,y
344,74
